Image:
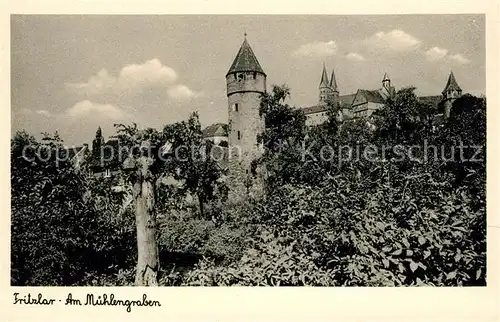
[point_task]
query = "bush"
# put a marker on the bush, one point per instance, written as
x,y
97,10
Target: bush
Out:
x,y
413,230
183,233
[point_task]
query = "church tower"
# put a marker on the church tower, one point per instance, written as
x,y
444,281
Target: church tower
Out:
x,y
325,91
386,89
450,93
246,82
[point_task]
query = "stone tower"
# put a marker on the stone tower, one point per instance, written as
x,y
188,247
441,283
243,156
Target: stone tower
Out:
x,y
450,93
325,91
246,82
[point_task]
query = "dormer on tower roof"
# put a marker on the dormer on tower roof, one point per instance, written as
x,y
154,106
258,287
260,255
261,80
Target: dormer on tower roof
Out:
x,y
245,60
333,81
451,84
324,78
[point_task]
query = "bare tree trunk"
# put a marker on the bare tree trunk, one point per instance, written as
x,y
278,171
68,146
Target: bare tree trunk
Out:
x,y
148,262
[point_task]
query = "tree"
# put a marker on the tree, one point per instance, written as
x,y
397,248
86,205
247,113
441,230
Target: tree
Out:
x,y
404,118
197,162
178,151
282,138
144,165
55,233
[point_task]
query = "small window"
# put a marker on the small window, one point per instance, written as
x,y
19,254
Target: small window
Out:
x,y
254,75
107,173
239,135
236,107
241,77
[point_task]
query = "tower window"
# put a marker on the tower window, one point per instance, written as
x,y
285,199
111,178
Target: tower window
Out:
x,y
239,135
241,77
236,107
254,75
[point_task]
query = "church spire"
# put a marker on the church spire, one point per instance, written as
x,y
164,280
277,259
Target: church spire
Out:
x,y
324,78
386,81
333,82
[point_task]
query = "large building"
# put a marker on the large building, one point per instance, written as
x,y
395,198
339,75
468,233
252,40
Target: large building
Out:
x,y
364,102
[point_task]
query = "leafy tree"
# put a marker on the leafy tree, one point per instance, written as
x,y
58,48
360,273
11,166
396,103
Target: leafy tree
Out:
x,y
178,151
55,234
283,136
404,118
197,163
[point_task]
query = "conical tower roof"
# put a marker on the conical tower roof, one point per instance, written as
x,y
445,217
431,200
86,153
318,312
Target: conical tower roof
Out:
x,y
386,77
451,84
333,81
324,78
245,60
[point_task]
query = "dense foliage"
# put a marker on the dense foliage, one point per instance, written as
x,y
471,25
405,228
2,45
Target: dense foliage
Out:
x,y
59,235
399,217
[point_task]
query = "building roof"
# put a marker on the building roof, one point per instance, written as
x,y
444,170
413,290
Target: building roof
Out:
x,y
451,84
371,96
343,99
314,109
324,78
217,129
347,99
245,60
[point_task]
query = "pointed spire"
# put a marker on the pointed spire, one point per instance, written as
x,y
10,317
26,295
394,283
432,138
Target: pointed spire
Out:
x,y
98,133
451,84
333,81
245,60
324,78
386,78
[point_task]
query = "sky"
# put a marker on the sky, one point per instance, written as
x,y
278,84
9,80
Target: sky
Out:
x,y
73,73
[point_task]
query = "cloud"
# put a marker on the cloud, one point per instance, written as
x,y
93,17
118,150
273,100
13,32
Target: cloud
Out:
x,y
435,54
355,57
460,59
396,40
44,113
87,108
179,92
152,72
132,79
317,49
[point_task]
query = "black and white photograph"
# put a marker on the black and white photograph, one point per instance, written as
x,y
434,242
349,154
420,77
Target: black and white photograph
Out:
x,y
248,150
